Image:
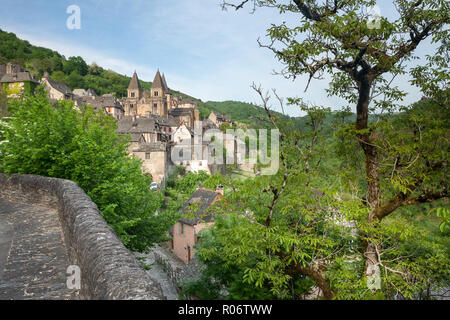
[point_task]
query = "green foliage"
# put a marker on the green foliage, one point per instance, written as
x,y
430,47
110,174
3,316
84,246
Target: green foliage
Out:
x,y
75,64
246,113
57,141
189,182
318,220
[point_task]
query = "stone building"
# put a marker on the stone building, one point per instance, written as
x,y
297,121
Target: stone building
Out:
x,y
107,102
15,80
56,90
197,214
148,143
158,102
155,102
219,119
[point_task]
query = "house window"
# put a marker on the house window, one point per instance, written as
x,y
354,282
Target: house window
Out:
x,y
155,108
132,94
181,228
131,106
147,156
156,93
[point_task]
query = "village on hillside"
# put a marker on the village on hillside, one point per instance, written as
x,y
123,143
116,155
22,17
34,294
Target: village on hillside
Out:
x,y
246,153
155,119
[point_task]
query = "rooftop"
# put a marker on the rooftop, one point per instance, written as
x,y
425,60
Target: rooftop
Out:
x,y
198,207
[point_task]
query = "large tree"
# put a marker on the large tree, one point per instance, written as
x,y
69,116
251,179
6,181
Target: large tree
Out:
x,y
362,55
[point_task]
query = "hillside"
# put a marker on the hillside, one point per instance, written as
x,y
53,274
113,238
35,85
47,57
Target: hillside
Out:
x,y
73,71
76,73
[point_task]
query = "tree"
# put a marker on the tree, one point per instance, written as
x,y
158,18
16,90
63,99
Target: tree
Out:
x,y
338,38
58,76
76,64
75,80
95,69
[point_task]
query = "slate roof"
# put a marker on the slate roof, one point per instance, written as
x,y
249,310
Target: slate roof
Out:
x,y
158,82
136,137
208,124
176,112
139,125
80,92
150,147
83,92
165,87
134,82
198,207
104,101
166,121
221,117
61,87
187,101
18,77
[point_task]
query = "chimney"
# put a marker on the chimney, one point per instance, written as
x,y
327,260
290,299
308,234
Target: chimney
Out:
x,y
219,189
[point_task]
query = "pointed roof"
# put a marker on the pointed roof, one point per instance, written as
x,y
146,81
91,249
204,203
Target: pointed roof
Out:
x,y
158,81
134,83
166,88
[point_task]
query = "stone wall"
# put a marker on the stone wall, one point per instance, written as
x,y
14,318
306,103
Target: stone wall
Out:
x,y
108,269
175,269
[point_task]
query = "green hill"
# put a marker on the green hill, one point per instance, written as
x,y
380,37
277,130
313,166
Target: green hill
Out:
x,y
76,73
73,71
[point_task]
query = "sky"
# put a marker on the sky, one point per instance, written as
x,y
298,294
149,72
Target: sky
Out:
x,y
204,51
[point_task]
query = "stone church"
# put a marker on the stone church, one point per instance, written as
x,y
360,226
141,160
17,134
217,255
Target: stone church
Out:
x,y
151,118
144,103
158,102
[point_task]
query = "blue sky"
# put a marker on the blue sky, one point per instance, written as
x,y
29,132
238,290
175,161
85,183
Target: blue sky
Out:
x,y
203,51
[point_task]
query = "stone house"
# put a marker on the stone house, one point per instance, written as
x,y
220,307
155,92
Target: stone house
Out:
x,y
147,127
197,214
107,102
15,80
148,143
218,118
56,90
155,160
182,133
84,92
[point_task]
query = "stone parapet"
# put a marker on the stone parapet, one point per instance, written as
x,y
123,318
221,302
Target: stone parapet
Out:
x,y
108,269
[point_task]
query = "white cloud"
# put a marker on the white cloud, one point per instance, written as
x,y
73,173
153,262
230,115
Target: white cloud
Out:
x,y
213,54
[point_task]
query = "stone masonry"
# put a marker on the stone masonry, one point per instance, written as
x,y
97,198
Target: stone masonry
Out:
x,y
47,224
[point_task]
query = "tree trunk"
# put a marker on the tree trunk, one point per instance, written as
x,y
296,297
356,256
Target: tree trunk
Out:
x,y
372,263
319,280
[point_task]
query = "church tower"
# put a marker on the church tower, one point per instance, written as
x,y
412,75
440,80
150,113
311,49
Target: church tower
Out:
x,y
167,93
133,96
134,88
158,96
